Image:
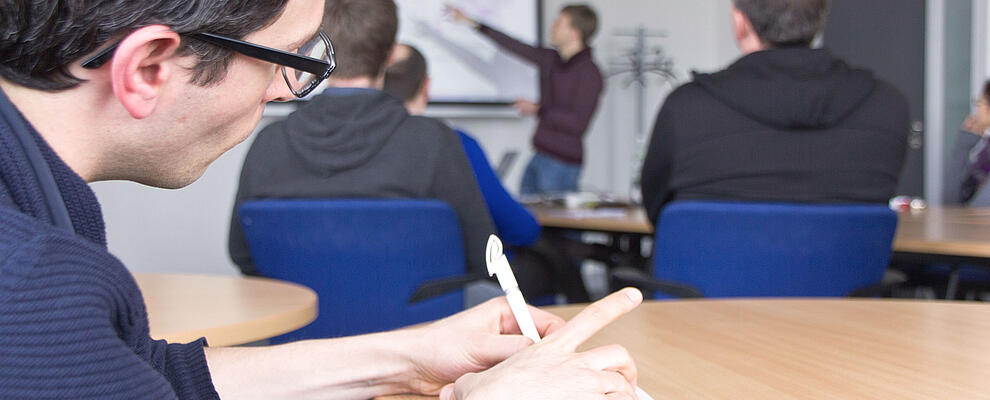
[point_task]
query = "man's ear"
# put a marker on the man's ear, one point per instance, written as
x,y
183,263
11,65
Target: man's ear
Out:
x,y
424,89
739,24
140,68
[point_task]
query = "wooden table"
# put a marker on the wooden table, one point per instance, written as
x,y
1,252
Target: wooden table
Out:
x,y
805,349
226,310
945,234
950,234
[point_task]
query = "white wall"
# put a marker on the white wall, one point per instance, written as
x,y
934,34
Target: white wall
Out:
x,y
154,230
699,38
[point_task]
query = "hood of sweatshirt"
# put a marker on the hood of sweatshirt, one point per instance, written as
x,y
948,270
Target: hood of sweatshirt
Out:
x,y
792,88
343,128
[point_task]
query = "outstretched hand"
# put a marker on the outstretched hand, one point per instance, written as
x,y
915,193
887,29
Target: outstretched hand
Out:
x,y
459,16
553,370
472,341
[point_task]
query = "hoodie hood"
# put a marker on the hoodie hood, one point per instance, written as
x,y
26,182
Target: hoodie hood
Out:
x,y
343,128
792,88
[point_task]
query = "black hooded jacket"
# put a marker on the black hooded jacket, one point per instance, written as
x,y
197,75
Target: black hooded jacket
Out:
x,y
785,125
361,143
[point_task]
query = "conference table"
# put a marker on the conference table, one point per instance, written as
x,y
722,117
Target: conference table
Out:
x,y
937,234
226,310
804,348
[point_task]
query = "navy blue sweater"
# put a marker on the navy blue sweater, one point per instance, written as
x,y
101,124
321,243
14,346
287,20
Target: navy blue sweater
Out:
x,y
73,324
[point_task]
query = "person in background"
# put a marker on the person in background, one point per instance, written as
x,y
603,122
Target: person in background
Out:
x,y
570,89
150,92
542,267
785,122
406,78
969,165
356,141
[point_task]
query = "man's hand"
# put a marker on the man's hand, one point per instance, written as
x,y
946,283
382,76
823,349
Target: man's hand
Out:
x,y
471,341
459,16
552,370
526,107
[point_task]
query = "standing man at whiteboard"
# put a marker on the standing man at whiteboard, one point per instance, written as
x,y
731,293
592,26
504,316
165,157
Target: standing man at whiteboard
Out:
x,y
570,88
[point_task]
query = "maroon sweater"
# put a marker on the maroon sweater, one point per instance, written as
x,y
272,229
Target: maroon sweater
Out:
x,y
569,92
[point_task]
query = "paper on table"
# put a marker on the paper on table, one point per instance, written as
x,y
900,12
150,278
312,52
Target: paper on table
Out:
x,y
642,395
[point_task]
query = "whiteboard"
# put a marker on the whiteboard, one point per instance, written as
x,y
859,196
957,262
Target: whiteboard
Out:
x,y
465,66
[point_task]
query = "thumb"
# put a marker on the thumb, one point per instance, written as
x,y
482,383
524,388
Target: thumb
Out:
x,y
500,348
447,393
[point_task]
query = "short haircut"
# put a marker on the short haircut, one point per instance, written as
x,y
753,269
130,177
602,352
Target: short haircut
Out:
x,y
986,91
405,77
40,39
584,19
785,23
363,33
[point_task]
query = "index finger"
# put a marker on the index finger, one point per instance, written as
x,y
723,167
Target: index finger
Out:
x,y
596,316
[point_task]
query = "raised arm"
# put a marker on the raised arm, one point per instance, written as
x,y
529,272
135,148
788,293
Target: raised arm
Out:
x,y
536,55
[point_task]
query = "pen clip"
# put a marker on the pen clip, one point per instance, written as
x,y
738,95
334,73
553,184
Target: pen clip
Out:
x,y
493,252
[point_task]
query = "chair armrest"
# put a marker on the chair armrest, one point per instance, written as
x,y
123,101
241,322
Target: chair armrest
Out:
x,y
876,290
634,277
438,287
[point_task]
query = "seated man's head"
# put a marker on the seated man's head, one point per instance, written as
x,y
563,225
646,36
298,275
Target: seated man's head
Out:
x,y
768,24
576,24
162,103
363,33
406,78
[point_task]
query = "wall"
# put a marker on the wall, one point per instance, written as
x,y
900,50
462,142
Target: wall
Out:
x,y
154,230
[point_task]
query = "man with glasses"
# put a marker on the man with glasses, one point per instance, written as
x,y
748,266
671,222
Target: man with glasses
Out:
x,y
184,82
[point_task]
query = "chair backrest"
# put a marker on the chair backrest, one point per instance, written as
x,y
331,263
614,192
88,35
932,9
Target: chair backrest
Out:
x,y
731,249
364,259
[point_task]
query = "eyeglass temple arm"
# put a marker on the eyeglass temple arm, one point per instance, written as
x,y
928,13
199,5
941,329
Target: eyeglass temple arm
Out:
x,y
303,63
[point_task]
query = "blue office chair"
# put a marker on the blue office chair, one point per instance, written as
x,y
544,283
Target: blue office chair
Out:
x,y
364,259
733,249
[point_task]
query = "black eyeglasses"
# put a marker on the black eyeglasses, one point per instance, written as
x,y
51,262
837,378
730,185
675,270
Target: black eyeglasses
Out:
x,y
303,70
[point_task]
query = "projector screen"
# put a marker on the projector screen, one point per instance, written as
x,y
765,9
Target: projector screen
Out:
x,y
464,66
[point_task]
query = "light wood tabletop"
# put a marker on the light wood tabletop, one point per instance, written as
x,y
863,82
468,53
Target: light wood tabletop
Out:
x,y
962,232
226,310
612,220
805,349
937,231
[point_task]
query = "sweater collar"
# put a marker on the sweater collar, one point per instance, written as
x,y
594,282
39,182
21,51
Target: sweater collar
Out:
x,y
17,179
581,56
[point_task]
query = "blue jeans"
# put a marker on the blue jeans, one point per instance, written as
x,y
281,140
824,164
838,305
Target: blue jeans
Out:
x,y
547,174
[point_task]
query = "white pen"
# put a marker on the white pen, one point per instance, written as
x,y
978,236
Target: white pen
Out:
x,y
498,265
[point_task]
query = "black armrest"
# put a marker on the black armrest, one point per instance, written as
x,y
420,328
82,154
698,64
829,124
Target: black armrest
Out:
x,y
438,287
634,277
876,290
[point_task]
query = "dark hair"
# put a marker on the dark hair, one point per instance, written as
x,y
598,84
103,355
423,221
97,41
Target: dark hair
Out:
x,y
785,23
40,39
986,91
583,18
363,33
405,77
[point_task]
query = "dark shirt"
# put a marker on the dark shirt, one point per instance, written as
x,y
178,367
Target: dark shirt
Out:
x,y
362,143
569,94
73,324
785,125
